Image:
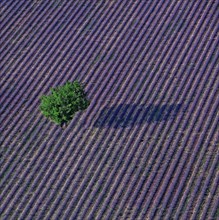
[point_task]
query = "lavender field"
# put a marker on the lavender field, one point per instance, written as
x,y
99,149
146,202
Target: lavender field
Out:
x,y
147,147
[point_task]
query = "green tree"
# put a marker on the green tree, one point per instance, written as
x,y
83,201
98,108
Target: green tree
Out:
x,y
63,102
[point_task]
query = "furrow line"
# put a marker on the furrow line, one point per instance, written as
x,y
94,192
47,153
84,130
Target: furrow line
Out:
x,y
25,59
181,183
206,187
159,196
40,89
11,18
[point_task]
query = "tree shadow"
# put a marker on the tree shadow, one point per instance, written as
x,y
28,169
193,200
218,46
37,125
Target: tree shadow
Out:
x,y
126,115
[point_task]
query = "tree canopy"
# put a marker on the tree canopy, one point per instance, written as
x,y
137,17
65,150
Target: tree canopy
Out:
x,y
63,102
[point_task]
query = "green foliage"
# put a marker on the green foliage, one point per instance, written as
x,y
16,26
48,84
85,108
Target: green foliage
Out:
x,y
64,102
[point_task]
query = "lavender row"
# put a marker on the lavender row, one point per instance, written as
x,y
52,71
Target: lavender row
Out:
x,y
50,52
34,48
182,180
98,132
33,85
167,181
19,37
204,191
210,210
162,189
169,193
191,110
198,164
36,20
11,17
75,36
180,190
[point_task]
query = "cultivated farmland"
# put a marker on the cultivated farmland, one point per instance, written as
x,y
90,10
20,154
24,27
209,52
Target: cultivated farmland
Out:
x,y
147,147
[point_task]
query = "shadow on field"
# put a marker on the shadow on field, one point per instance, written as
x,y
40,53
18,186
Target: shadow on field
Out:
x,y
125,115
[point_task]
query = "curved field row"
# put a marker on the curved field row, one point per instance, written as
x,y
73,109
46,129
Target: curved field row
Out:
x,y
147,145
33,85
39,55
163,188
85,181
